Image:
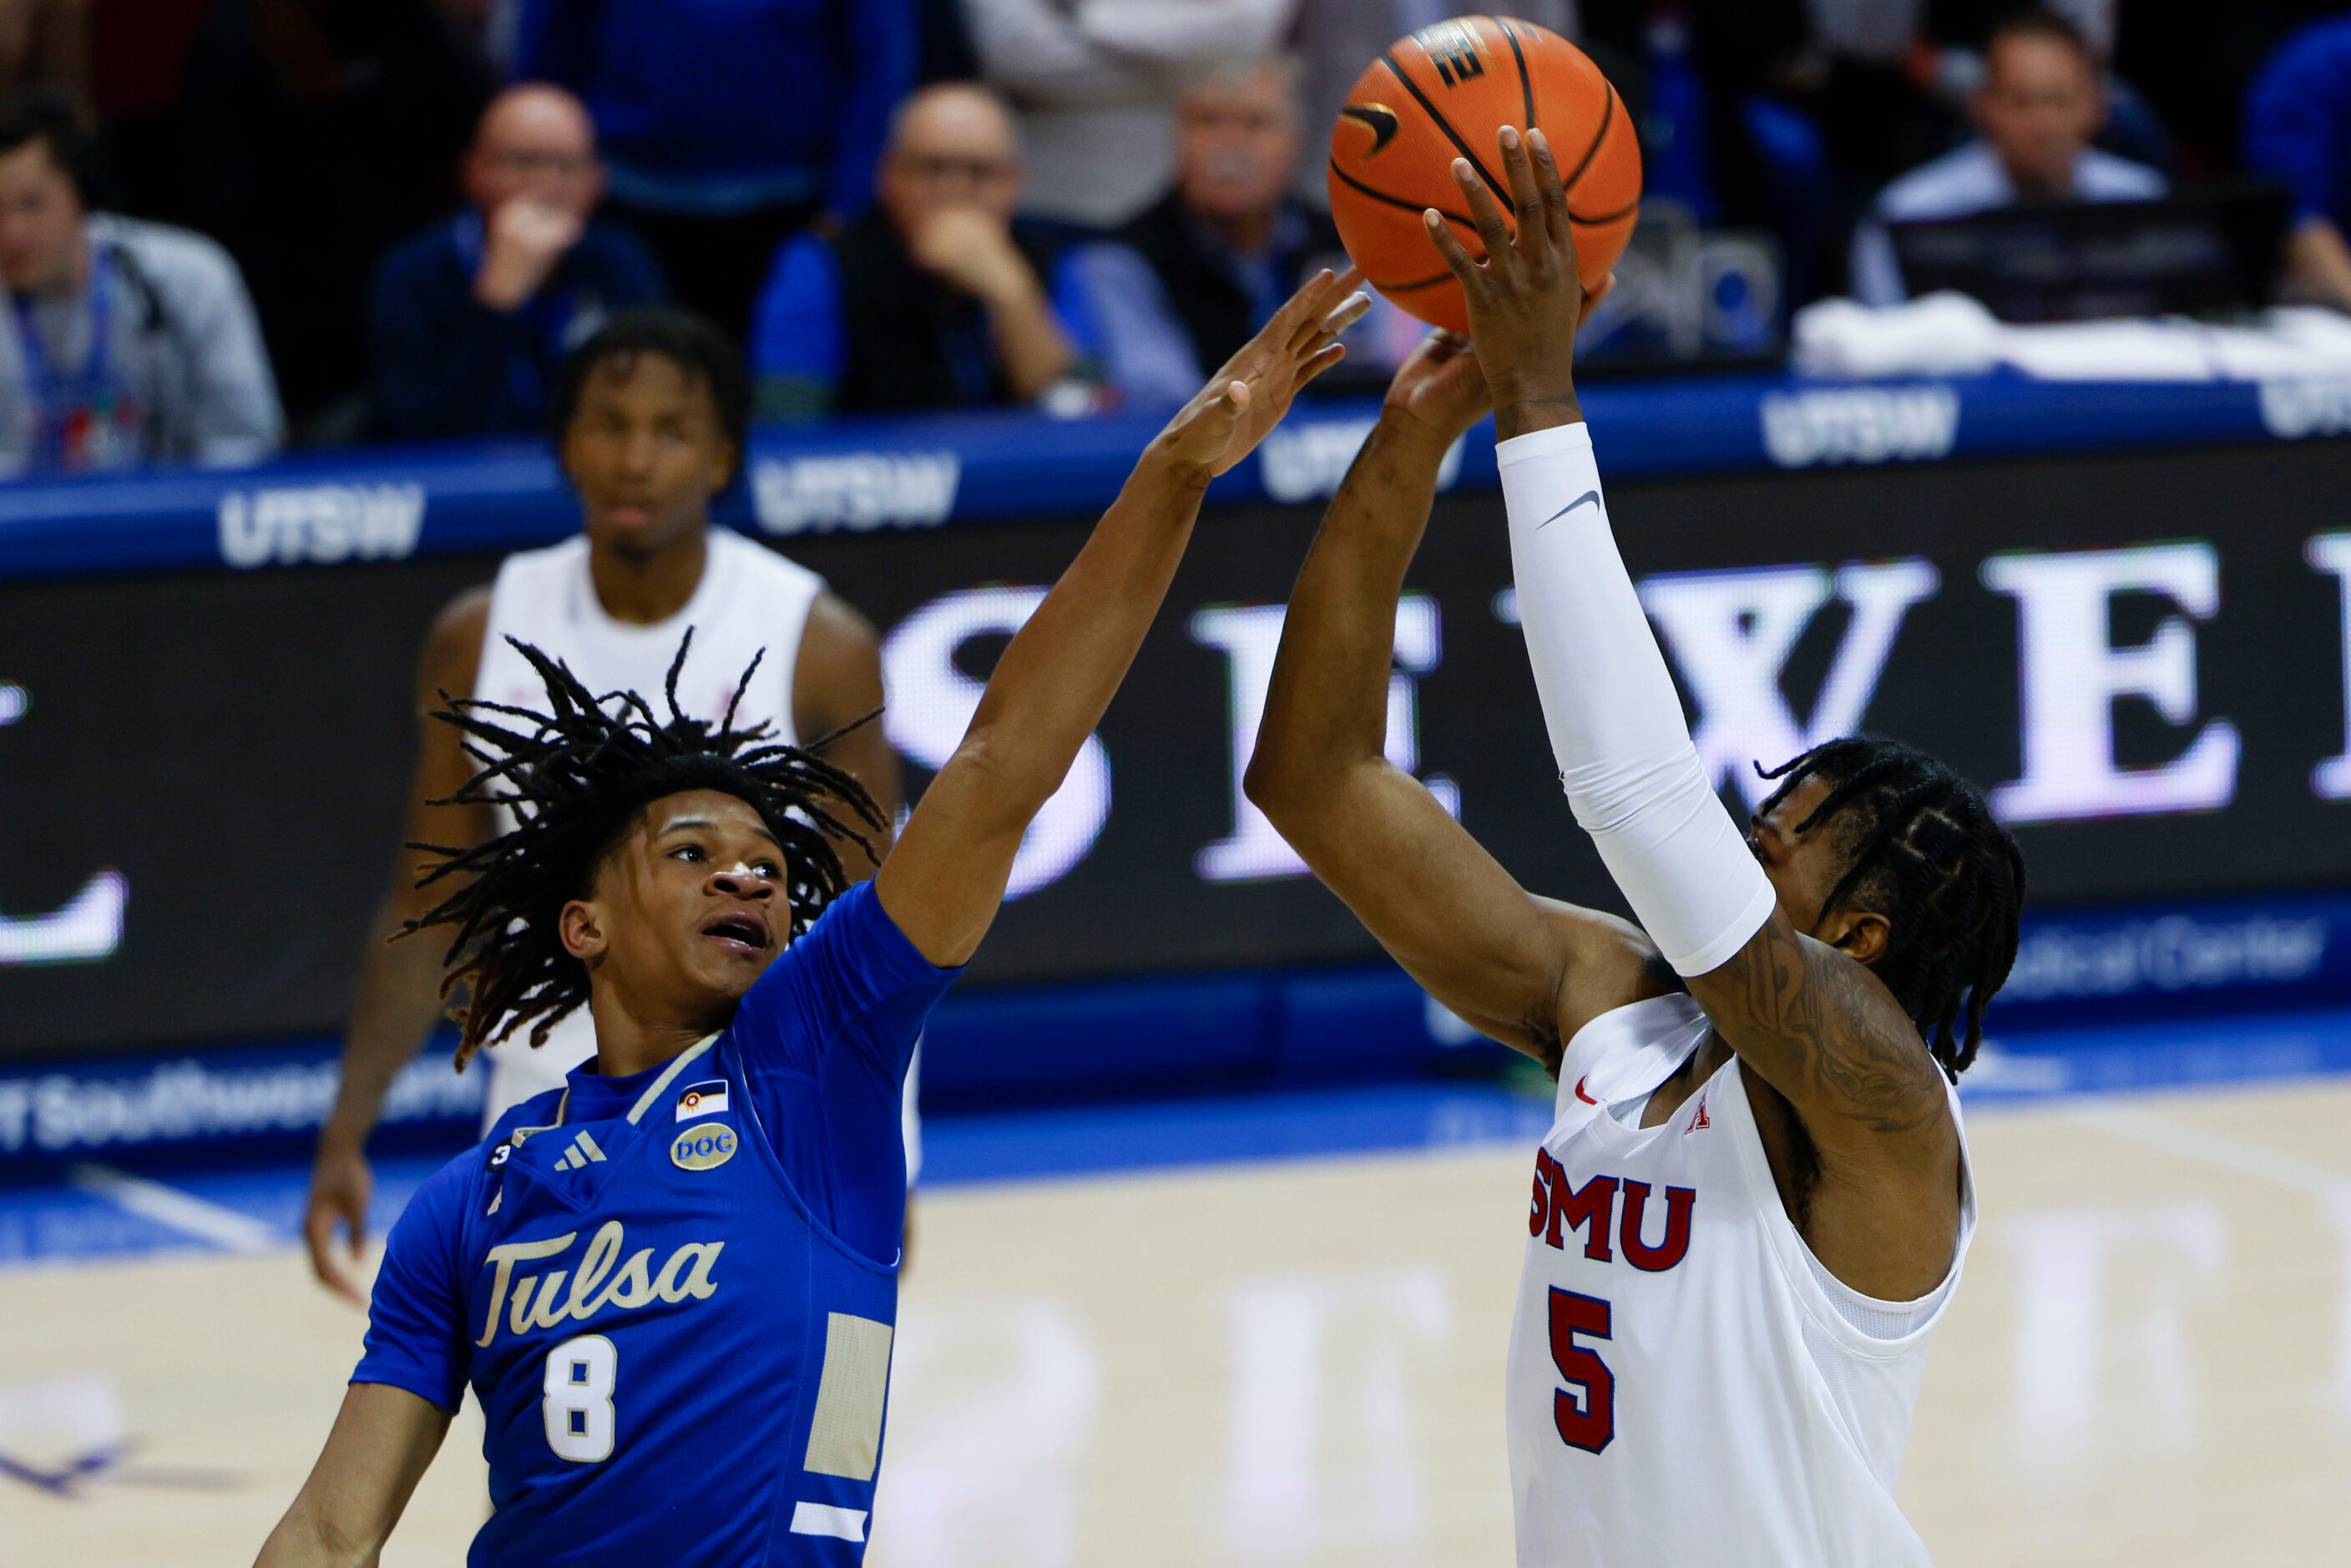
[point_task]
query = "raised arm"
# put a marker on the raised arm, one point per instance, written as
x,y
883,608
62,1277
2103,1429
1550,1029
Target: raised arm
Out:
x,y
946,876
383,1440
1525,970
1814,1023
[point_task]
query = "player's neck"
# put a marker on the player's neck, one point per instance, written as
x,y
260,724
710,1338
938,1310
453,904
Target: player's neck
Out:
x,y
643,589
626,1043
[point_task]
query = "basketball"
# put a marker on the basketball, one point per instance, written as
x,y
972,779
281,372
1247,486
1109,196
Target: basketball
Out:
x,y
1442,93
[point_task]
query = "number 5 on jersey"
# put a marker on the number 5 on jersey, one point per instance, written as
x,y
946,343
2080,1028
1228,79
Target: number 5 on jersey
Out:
x,y
1588,1422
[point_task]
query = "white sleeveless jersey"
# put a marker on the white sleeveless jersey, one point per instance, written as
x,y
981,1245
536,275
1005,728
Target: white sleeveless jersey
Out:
x,y
749,599
1682,1386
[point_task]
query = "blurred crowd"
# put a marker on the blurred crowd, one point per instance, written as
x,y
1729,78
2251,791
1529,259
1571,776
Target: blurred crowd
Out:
x,y
228,225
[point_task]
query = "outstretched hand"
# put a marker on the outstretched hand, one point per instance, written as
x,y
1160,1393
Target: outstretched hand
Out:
x,y
1249,394
1526,299
1439,387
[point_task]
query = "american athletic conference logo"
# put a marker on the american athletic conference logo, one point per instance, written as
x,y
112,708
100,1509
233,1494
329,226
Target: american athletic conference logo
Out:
x,y
704,1147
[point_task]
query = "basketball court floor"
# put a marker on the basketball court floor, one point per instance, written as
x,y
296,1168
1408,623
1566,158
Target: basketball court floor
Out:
x,y
1271,1332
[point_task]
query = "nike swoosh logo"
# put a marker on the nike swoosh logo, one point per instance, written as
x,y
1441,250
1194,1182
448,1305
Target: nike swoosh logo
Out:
x,y
1590,496
1380,118
1580,1094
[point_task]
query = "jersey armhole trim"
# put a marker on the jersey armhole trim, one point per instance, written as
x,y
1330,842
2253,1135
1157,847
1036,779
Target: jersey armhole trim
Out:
x,y
1792,1255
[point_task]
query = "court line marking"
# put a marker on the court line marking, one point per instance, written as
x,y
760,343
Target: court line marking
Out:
x,y
2171,1135
224,1227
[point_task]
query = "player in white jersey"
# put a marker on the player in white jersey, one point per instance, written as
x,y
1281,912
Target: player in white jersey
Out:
x,y
1754,1201
649,420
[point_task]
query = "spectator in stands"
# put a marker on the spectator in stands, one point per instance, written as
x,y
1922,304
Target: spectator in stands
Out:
x,y
728,127
932,300
1095,83
128,342
2298,132
472,319
2042,102
1193,277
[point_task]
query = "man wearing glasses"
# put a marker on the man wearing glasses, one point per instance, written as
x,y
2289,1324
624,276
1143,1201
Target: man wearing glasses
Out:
x,y
933,299
471,318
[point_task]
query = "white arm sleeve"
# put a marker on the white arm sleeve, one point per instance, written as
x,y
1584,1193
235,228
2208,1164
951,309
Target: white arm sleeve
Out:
x,y
1624,754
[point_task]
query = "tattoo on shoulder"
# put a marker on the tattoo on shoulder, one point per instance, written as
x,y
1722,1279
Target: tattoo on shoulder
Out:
x,y
1838,1041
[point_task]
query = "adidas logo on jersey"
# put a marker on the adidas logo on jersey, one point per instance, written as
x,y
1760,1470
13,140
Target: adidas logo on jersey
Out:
x,y
582,1152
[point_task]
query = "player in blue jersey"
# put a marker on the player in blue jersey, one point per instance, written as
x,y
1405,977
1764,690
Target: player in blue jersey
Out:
x,y
671,1284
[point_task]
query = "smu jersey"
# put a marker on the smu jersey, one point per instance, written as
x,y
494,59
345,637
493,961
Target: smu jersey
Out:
x,y
674,1294
749,599
1684,1385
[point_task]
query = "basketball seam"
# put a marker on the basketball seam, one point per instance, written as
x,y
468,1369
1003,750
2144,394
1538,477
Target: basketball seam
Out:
x,y
1607,114
1409,287
1445,125
1378,195
1624,211
1526,82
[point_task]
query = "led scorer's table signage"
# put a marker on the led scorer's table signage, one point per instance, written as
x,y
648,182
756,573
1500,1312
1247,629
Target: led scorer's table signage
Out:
x,y
2143,656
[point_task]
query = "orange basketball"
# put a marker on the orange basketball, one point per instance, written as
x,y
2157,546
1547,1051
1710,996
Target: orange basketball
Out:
x,y
1442,94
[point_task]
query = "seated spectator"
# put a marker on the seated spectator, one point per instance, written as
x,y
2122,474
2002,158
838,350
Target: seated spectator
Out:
x,y
2298,132
932,300
130,342
1191,279
728,127
2042,102
471,318
1095,81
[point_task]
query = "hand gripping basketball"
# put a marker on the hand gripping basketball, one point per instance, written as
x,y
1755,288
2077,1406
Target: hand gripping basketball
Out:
x,y
1526,299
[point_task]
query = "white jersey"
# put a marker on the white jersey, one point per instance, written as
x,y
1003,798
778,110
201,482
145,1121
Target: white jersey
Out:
x,y
1687,1384
749,599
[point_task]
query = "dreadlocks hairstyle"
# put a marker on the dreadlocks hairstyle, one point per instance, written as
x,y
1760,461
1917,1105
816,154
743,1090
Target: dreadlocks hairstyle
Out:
x,y
576,778
1928,854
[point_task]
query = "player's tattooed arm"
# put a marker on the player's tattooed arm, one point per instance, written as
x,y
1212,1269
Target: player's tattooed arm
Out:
x,y
1523,970
383,1440
1827,1034
946,876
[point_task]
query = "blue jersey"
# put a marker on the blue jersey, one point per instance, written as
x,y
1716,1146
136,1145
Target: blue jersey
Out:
x,y
674,1294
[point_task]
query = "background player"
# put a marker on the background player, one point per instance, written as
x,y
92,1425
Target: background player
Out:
x,y
650,417
1754,1202
718,1398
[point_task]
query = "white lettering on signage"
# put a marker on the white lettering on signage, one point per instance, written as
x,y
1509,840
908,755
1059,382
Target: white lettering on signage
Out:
x,y
1249,636
931,704
2331,554
2173,953
686,1276
2071,675
1860,425
1731,633
88,926
186,1098
857,490
2298,406
1305,461
320,524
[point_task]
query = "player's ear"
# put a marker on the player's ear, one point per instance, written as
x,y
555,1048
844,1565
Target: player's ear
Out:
x,y
1860,934
581,927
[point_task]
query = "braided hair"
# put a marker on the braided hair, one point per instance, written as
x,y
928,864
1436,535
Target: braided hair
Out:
x,y
1927,853
576,778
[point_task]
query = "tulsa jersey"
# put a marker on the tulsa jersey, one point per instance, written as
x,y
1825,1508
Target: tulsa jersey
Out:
x,y
749,599
1686,1383
674,1294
